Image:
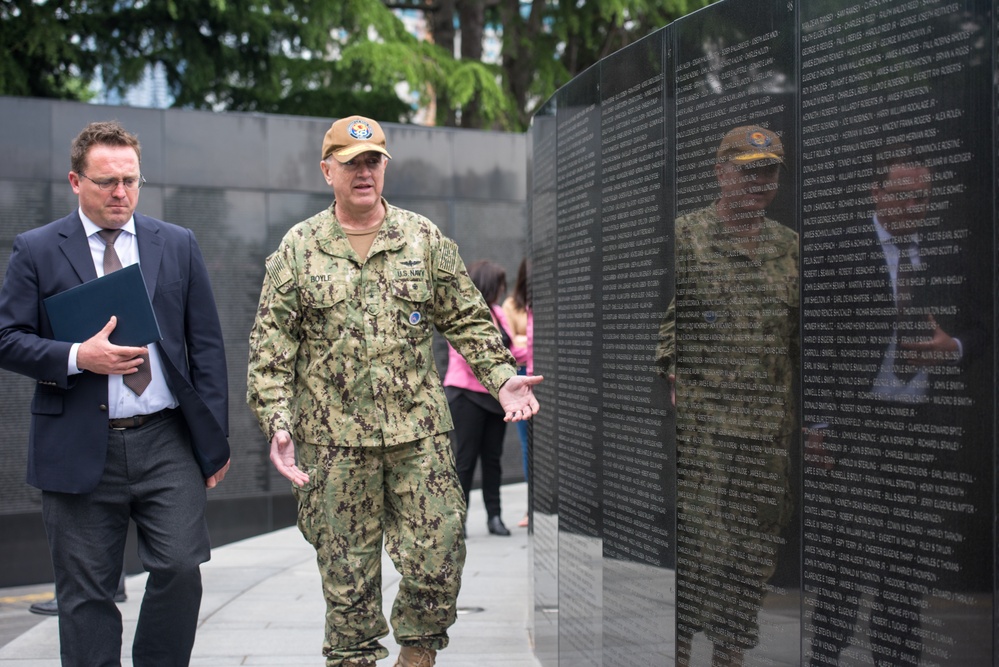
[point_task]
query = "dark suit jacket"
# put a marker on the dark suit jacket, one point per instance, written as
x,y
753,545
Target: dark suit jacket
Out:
x,y
69,414
859,318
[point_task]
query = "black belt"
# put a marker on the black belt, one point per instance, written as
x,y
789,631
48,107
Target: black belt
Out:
x,y
123,423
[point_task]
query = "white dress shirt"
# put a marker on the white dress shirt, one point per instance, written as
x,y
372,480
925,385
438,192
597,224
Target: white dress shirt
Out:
x,y
122,401
887,385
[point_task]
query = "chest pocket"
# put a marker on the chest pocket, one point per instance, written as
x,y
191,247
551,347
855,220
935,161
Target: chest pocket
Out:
x,y
413,307
781,305
709,294
324,308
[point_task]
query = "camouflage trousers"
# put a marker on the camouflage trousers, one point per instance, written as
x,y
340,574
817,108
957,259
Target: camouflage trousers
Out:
x,y
410,495
731,510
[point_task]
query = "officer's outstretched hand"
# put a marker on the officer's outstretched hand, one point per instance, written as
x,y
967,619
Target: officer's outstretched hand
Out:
x,y
283,458
517,397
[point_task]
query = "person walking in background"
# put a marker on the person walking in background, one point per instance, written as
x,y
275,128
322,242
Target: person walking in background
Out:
x,y
102,447
342,378
517,308
478,417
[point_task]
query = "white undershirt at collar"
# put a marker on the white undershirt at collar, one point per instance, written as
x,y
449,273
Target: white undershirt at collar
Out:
x,y
124,245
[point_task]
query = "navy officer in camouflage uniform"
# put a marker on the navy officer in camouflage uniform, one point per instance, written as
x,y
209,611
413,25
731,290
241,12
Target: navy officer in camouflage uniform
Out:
x,y
342,380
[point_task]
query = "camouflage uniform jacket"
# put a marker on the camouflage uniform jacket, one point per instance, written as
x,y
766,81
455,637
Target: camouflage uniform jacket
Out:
x,y
341,350
736,311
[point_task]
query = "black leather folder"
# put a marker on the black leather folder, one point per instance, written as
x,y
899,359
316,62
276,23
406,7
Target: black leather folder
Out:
x,y
81,311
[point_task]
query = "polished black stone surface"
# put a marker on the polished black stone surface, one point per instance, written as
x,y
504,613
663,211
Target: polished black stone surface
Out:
x,y
896,116
637,429
842,514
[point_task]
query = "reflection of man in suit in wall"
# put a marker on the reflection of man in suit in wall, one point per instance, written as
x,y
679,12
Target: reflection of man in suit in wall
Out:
x,y
736,311
892,334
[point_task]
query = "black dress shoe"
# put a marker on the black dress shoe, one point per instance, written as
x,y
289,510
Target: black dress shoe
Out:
x,y
47,608
119,594
51,607
496,527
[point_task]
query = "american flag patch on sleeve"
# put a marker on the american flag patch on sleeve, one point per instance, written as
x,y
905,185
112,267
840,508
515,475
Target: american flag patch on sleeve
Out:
x,y
278,270
447,258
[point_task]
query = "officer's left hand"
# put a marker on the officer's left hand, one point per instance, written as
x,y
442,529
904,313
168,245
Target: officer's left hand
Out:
x,y
283,458
517,397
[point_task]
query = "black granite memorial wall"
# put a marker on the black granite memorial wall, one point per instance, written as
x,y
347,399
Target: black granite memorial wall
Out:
x,y
897,188
543,462
821,489
636,433
239,181
577,383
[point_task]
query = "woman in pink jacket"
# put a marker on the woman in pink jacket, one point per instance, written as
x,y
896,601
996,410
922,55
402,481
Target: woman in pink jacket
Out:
x,y
479,428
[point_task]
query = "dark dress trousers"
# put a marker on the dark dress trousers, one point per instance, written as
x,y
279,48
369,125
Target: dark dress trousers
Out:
x,y
94,478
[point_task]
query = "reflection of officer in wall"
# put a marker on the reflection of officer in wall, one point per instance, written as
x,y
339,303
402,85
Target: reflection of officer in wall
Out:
x,y
736,310
904,364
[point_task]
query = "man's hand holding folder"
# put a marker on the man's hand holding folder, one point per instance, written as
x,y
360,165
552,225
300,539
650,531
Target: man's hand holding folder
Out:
x,y
99,355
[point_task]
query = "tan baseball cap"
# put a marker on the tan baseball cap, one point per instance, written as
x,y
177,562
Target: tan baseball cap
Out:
x,y
351,136
749,143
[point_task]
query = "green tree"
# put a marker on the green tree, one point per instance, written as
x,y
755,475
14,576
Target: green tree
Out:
x,y
321,58
555,41
40,51
278,56
545,42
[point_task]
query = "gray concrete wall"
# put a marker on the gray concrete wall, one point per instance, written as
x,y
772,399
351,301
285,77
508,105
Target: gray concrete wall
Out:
x,y
239,181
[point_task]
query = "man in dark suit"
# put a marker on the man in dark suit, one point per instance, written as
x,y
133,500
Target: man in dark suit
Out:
x,y
104,448
897,328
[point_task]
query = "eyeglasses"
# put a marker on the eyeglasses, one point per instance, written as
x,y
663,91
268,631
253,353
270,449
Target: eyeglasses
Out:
x,y
130,183
371,162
